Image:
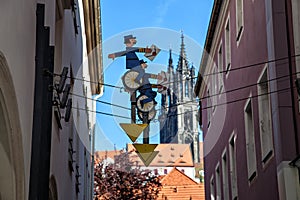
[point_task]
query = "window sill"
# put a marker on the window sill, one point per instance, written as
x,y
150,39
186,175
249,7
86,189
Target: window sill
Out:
x,y
228,68
267,159
252,177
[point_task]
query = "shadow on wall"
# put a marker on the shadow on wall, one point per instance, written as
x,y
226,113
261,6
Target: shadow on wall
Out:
x,y
11,150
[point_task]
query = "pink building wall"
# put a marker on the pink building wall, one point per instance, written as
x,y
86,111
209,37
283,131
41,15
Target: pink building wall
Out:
x,y
264,38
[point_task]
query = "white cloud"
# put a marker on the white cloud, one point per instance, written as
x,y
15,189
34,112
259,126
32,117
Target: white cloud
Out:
x,y
161,10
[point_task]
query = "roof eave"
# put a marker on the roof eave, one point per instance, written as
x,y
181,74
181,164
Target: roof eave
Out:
x,y
92,20
208,43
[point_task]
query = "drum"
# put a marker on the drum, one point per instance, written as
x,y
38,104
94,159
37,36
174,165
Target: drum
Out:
x,y
128,80
147,107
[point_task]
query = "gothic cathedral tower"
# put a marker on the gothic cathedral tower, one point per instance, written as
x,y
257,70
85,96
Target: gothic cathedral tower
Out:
x,y
178,114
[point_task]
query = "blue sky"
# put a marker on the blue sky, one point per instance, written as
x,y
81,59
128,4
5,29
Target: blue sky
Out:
x,y
152,22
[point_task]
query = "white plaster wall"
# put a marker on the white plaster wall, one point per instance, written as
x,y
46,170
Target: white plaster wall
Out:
x,y
189,171
71,52
66,47
17,43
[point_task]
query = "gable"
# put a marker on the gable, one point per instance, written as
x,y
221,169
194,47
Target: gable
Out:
x,y
176,177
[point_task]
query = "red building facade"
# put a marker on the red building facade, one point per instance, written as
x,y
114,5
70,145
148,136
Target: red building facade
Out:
x,y
249,102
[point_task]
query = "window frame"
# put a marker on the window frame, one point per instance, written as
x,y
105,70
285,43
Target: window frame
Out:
x,y
215,84
209,107
233,166
212,188
225,175
239,9
227,32
218,182
220,68
250,140
267,150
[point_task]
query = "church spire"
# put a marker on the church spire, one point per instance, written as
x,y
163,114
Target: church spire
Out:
x,y
182,46
182,61
170,58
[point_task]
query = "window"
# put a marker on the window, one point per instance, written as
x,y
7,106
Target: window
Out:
x,y
220,68
181,88
165,171
296,30
214,87
218,183
233,173
239,19
225,176
208,110
156,171
265,125
227,46
250,141
186,88
72,79
212,188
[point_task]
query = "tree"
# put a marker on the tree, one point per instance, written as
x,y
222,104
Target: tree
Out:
x,y
115,181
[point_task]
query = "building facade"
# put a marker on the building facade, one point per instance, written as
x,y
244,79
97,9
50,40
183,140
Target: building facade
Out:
x,y
38,141
178,114
249,102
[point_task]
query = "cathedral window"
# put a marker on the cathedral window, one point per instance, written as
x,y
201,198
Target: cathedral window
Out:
x,y
186,88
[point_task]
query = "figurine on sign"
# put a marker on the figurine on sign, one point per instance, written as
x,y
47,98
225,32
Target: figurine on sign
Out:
x,y
132,59
143,79
136,79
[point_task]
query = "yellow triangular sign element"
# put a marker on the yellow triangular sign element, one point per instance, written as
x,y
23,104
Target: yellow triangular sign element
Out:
x,y
146,152
147,157
133,130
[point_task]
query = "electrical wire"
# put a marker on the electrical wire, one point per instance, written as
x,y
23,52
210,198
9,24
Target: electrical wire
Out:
x,y
102,113
251,65
232,90
225,92
232,69
234,101
187,102
210,74
204,108
251,85
89,81
241,67
104,102
242,99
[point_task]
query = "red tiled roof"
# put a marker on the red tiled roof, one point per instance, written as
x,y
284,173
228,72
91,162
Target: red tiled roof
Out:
x,y
176,177
178,186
